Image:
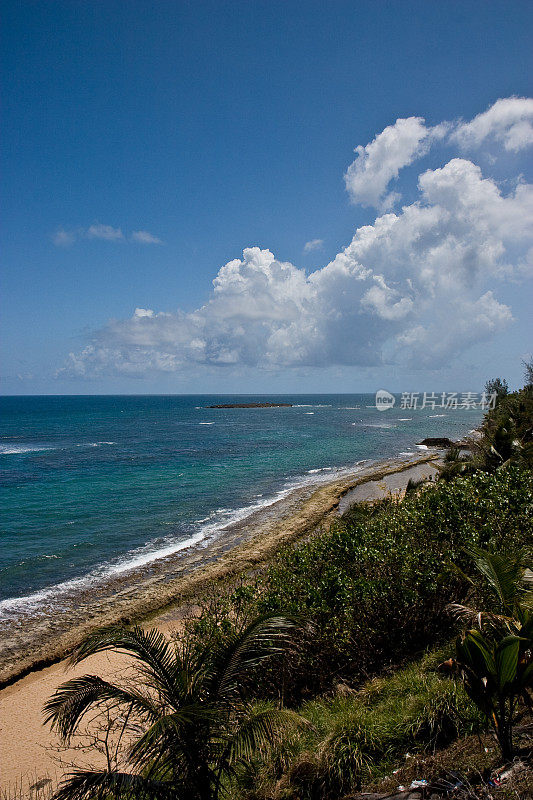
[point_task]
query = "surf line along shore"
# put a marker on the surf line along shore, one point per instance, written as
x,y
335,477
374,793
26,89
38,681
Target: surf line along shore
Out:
x,y
41,639
132,596
27,747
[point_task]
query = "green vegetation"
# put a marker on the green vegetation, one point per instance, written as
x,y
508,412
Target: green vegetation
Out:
x,y
377,583
458,464
235,710
506,433
497,386
186,712
358,735
495,660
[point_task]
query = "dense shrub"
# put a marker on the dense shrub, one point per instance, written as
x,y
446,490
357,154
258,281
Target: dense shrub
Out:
x,y
376,583
379,587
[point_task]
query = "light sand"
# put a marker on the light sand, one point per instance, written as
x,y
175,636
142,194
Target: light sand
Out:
x,y
27,748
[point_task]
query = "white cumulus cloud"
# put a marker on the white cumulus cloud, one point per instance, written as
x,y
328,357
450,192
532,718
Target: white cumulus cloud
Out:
x,y
415,287
509,121
380,161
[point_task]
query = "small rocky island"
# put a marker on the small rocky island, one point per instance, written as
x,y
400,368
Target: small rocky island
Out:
x,y
253,405
445,443
439,442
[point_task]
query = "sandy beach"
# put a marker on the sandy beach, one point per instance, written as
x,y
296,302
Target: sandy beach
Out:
x,y
157,596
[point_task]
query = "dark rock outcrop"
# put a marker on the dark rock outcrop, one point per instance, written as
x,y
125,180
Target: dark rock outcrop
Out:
x,y
439,442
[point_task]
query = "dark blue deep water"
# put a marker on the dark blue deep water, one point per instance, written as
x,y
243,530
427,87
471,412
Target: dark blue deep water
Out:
x,y
92,485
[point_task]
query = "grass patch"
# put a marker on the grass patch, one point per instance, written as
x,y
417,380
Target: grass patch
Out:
x,y
356,737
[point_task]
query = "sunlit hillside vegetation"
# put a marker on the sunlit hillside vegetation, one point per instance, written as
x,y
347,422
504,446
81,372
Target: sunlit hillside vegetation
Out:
x,y
404,627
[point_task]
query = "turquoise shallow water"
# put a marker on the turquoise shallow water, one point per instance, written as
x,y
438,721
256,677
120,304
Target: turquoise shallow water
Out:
x,y
94,485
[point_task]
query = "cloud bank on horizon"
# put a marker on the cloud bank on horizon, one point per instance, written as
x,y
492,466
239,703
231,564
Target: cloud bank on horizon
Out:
x,y
415,288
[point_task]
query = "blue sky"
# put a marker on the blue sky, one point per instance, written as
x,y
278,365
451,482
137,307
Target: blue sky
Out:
x,y
146,146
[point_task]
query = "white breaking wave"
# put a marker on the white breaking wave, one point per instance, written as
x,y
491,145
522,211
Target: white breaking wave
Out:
x,y
18,449
374,424
222,518
34,602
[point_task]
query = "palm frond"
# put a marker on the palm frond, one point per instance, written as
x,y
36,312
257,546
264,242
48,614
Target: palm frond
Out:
x,y
73,699
265,637
474,615
194,722
150,648
101,785
504,573
170,732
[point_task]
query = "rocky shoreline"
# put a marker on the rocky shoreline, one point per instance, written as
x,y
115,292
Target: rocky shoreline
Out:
x,y
164,601
36,641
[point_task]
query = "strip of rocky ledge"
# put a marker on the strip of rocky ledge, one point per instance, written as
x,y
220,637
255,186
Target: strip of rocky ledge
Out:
x,y
253,405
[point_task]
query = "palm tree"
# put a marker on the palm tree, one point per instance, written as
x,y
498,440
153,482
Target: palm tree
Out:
x,y
509,579
495,660
190,718
455,464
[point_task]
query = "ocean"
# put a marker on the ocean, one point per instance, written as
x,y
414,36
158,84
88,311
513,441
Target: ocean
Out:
x,y
94,486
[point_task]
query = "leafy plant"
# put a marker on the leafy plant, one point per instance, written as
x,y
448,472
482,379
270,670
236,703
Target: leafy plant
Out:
x,y
456,464
496,674
507,433
528,372
497,386
189,713
507,591
360,735
495,661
